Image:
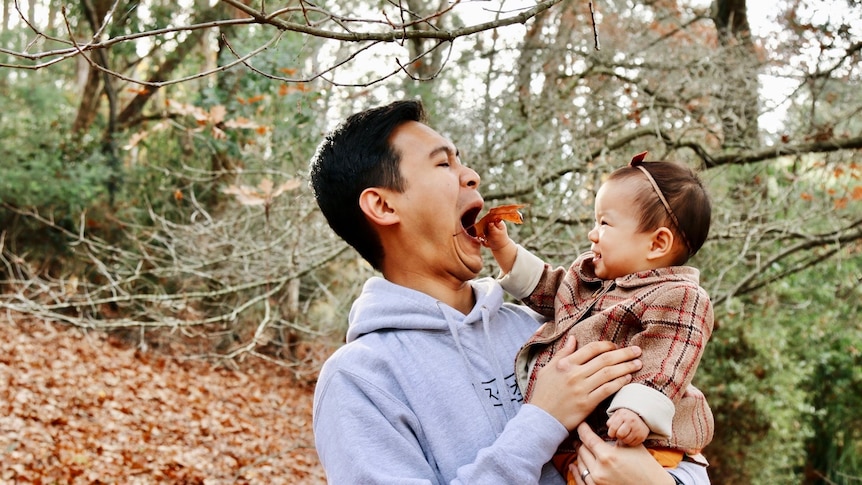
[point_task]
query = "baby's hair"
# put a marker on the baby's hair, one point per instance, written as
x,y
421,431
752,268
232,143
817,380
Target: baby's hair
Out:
x,y
670,195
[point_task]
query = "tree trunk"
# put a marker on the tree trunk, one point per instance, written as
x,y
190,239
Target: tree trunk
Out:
x,y
132,112
426,66
738,89
89,104
96,13
52,17
7,5
526,62
90,95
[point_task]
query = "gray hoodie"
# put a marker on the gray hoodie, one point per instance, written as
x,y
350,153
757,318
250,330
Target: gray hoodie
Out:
x,y
422,393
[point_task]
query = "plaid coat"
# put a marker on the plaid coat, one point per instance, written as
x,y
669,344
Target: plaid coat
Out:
x,y
664,312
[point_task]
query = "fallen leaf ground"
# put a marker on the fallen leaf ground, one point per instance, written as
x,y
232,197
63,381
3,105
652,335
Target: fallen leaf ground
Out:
x,y
77,407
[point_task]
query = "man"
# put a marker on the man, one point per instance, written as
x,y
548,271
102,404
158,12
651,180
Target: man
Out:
x,y
423,391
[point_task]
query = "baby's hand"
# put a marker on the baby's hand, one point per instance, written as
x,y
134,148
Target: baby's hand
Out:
x,y
502,246
627,427
496,236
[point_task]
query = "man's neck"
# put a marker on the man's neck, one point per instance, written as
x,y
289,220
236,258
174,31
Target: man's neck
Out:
x,y
457,294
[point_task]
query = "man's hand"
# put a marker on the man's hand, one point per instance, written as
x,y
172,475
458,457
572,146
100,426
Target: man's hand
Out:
x,y
618,465
627,427
575,382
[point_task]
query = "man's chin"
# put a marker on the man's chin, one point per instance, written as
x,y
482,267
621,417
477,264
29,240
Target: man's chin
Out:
x,y
468,250
472,264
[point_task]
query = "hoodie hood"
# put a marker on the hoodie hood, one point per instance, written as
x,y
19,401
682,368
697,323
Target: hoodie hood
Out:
x,y
386,306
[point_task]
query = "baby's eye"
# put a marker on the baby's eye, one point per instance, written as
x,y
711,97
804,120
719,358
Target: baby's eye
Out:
x,y
443,164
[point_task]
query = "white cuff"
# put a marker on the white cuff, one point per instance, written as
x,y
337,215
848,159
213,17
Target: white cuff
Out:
x,y
653,407
524,276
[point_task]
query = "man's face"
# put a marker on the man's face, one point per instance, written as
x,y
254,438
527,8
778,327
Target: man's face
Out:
x,y
439,200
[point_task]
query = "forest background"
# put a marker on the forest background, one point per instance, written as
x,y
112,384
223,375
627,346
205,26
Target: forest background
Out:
x,y
153,159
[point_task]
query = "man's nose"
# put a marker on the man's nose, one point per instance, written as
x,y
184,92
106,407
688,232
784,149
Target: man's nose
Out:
x,y
470,178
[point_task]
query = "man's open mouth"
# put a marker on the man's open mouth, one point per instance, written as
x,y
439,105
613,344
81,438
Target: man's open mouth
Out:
x,y
468,221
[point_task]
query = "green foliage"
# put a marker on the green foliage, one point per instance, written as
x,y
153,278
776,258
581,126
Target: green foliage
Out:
x,y
834,387
782,374
39,168
44,169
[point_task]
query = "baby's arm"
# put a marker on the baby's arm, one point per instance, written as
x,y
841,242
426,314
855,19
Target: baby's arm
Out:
x,y
501,245
627,427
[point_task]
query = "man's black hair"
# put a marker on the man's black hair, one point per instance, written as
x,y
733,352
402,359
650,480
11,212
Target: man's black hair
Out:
x,y
353,157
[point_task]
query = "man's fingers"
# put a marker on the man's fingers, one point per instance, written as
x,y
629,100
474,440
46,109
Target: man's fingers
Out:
x,y
608,380
602,368
587,452
606,389
561,357
589,352
576,471
590,439
597,356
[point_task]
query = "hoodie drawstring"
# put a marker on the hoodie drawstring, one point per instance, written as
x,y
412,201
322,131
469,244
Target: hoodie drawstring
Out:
x,y
507,398
505,394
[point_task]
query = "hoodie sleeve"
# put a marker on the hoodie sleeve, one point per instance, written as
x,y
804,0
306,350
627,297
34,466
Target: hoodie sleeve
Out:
x,y
689,473
365,435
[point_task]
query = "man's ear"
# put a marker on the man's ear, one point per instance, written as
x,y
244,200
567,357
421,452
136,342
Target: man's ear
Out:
x,y
661,244
374,202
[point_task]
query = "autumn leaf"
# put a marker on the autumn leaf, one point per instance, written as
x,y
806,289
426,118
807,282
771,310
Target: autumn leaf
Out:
x,y
183,109
263,194
135,139
241,123
507,213
216,117
251,100
286,89
217,114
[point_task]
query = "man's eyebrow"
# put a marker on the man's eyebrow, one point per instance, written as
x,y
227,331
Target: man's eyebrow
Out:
x,y
448,150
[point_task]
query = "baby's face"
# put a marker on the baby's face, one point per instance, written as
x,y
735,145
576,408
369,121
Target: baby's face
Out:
x,y
620,247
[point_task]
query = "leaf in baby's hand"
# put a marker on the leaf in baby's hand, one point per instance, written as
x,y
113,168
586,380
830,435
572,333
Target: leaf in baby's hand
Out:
x,y
507,213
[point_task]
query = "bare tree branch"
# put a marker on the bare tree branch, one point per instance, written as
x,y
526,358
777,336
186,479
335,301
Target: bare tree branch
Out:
x,y
389,32
760,275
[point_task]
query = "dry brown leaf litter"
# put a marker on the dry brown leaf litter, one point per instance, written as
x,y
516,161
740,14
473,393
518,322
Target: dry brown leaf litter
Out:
x,y
76,408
